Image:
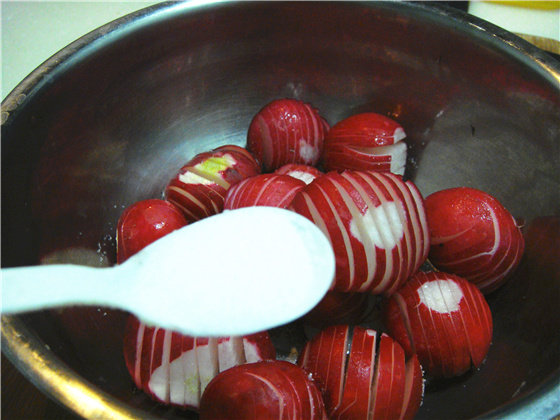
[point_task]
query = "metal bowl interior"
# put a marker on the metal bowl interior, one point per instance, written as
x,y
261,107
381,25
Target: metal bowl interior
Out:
x,y
112,117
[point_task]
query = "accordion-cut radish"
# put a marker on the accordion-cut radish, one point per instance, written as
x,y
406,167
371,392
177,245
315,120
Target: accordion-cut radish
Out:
x,y
143,222
389,380
271,389
174,369
324,357
200,186
474,236
338,308
272,190
366,141
304,172
286,131
375,223
358,392
442,318
363,375
413,388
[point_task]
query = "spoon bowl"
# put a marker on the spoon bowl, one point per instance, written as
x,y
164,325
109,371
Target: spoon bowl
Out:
x,y
280,267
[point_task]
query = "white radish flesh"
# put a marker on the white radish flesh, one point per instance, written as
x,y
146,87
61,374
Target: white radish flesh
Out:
x,y
375,223
175,369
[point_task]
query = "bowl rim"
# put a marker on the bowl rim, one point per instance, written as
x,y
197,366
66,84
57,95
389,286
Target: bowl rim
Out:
x,y
57,380
547,65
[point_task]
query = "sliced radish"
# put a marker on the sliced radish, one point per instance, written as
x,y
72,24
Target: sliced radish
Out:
x,y
286,131
338,308
444,319
263,390
357,392
230,352
375,383
306,173
324,356
413,389
175,369
366,141
474,236
272,190
390,158
207,357
200,186
258,347
389,382
143,222
375,223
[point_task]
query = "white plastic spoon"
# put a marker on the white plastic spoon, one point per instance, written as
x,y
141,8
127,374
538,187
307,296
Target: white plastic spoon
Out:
x,y
238,272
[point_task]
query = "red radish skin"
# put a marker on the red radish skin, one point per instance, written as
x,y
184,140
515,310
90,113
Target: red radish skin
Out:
x,y
366,141
389,381
143,222
263,390
200,186
357,392
442,318
338,308
258,346
413,388
175,369
304,172
380,159
242,152
474,236
324,356
286,131
363,375
375,223
272,190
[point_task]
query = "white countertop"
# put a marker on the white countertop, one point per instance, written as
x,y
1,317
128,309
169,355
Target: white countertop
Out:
x,y
34,31
538,18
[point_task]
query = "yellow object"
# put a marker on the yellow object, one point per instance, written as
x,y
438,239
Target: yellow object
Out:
x,y
543,5
212,168
534,18
547,44
214,165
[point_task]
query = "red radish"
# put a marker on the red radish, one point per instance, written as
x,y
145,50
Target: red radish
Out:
x,y
442,318
273,389
358,392
413,388
474,236
367,141
359,381
175,369
138,226
389,380
272,190
286,131
200,186
338,308
375,223
304,172
324,356
143,222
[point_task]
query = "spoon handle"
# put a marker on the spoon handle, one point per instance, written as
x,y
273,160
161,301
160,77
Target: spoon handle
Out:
x,y
48,286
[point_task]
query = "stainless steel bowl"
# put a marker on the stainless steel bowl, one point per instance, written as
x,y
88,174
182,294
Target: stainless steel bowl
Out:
x,y
109,119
